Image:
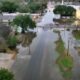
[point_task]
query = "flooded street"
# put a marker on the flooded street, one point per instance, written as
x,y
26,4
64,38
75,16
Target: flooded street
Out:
x,y
42,59
39,40
37,61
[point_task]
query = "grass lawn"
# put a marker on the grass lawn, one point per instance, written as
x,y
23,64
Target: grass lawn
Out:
x,y
60,46
64,61
76,34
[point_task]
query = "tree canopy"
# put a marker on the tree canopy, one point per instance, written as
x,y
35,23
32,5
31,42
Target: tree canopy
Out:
x,y
7,6
33,7
24,21
64,10
12,6
6,75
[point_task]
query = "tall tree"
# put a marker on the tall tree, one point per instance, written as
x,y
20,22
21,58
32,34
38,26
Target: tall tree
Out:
x,y
64,10
24,21
7,6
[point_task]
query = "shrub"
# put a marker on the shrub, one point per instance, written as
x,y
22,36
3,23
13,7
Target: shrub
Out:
x,y
12,42
6,75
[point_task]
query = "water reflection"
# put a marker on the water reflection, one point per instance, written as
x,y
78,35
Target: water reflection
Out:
x,y
27,39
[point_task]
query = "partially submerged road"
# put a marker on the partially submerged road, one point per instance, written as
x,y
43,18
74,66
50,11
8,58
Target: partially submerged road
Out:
x,y
40,66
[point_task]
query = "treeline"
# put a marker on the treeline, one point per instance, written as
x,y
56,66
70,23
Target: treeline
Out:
x,y
42,1
32,7
64,10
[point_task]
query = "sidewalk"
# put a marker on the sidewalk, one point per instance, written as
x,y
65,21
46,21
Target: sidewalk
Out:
x,y
6,60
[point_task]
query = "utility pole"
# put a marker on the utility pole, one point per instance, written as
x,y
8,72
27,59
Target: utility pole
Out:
x,y
68,48
69,39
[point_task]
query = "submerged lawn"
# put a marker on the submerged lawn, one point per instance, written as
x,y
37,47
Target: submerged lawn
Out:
x,y
64,61
60,46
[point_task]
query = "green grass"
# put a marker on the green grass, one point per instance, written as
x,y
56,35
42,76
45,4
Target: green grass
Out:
x,y
60,46
65,63
76,34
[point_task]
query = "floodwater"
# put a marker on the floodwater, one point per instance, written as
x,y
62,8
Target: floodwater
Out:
x,y
47,19
42,64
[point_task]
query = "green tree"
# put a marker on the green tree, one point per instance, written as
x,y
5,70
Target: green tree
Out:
x,y
6,75
36,7
7,6
23,8
24,21
71,11
64,10
32,7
